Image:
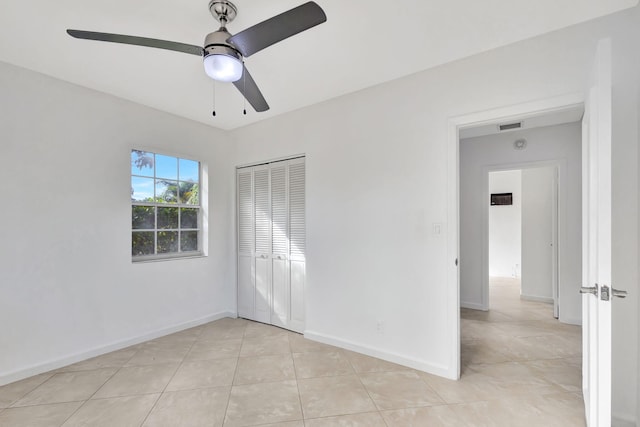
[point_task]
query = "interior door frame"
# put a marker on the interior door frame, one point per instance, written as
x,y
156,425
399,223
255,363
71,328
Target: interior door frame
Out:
x,y
557,220
454,125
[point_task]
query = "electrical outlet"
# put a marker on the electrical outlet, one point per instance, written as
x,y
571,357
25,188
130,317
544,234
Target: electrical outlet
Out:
x,y
380,327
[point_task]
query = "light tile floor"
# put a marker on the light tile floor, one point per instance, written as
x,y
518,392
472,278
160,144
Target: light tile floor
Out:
x,y
520,368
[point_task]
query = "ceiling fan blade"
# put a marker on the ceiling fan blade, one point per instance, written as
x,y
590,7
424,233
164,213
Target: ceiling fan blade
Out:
x,y
249,89
278,28
139,41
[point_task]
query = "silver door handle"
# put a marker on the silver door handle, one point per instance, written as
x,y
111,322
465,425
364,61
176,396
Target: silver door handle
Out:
x,y
280,257
263,256
589,290
618,293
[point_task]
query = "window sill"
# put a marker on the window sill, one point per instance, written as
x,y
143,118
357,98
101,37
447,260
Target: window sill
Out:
x,y
172,257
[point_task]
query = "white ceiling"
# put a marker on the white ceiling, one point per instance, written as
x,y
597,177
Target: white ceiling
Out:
x,y
363,43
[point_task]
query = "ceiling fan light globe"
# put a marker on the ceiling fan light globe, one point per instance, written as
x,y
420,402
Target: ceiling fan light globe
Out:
x,y
223,68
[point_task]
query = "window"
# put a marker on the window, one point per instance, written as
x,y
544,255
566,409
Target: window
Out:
x,y
165,206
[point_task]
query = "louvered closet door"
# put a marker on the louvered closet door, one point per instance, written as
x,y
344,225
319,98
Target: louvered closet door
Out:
x,y
297,241
262,215
272,243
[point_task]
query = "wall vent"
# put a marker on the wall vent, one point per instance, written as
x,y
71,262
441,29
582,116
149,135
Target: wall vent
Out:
x,y
509,126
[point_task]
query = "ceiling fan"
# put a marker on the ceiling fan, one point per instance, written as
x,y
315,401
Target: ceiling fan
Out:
x,y
223,53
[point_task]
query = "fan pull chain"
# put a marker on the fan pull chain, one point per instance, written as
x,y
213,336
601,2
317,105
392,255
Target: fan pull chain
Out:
x,y
214,99
244,90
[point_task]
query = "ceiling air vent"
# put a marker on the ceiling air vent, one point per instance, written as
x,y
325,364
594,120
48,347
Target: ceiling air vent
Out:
x,y
509,126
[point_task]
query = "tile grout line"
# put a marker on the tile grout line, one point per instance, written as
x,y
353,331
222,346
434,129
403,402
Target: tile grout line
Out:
x,y
295,374
357,374
83,401
171,379
235,372
30,391
93,394
433,389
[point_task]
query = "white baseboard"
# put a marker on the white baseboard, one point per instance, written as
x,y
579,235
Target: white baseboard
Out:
x,y
472,305
618,420
547,300
22,373
410,362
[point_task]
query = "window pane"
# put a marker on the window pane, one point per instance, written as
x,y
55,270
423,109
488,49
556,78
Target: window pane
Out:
x,y
167,217
189,171
189,218
141,189
167,241
166,191
189,193
142,243
143,217
189,241
141,163
166,167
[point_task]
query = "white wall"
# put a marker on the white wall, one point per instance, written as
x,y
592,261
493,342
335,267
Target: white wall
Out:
x,y
68,288
549,144
505,225
537,235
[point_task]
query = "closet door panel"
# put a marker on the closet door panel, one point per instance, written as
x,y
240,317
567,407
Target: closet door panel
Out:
x,y
297,238
279,245
262,245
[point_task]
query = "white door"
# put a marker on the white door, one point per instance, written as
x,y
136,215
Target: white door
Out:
x,y
597,287
271,243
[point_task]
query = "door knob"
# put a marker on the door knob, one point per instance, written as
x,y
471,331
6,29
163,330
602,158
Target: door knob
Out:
x,y
589,290
618,293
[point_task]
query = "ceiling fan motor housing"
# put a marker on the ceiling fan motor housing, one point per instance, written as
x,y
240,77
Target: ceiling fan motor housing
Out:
x,y
216,44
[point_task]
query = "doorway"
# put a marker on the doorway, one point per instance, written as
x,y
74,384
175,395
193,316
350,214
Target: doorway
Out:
x,y
564,109
522,219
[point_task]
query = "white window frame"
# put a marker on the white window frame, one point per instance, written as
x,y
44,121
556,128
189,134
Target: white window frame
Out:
x,y
199,207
